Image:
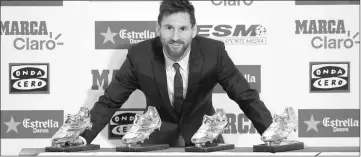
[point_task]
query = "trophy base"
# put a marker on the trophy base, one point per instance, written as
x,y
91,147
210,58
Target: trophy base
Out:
x,y
73,148
142,148
210,147
283,147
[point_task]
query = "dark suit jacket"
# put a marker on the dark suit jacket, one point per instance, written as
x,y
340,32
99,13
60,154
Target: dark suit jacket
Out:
x,y
144,69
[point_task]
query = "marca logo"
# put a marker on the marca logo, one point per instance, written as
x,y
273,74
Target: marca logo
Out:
x,y
330,77
338,37
28,78
327,2
252,73
239,124
30,35
121,122
102,79
30,124
234,35
122,34
31,3
231,2
329,123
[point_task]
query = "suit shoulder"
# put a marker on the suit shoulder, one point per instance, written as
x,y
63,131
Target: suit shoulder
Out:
x,y
208,45
142,48
208,42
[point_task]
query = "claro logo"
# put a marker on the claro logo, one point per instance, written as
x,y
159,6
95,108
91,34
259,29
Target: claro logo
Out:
x,y
232,2
327,34
30,35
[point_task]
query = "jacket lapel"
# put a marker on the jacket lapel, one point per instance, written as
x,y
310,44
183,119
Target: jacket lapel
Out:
x,y
194,75
161,77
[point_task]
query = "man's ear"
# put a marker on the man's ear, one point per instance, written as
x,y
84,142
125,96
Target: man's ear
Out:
x,y
157,30
194,30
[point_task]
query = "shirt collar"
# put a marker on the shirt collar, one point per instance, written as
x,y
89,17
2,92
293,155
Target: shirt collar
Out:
x,y
183,63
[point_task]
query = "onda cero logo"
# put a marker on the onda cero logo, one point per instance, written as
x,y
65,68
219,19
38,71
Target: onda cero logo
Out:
x,y
121,122
29,78
330,77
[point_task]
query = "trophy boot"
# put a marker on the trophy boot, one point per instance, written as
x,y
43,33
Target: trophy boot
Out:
x,y
73,126
211,128
142,127
281,127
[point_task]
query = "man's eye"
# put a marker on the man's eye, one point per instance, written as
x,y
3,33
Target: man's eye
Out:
x,y
169,28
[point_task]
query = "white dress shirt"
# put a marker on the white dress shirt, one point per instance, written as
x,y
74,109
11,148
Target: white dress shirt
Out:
x,y
170,72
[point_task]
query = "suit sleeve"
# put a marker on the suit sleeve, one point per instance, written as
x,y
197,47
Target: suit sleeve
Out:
x,y
238,89
120,88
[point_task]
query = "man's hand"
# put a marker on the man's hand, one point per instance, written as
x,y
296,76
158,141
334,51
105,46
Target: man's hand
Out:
x,y
76,142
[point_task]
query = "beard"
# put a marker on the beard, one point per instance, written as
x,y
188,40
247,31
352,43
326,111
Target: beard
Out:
x,y
175,49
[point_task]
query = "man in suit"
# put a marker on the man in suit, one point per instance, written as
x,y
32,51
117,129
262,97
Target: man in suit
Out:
x,y
177,72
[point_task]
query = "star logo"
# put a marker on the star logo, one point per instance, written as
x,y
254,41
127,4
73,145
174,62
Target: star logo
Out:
x,y
108,36
12,125
312,124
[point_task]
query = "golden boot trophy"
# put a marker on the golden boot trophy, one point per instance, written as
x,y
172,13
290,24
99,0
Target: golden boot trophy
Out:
x,y
275,137
66,139
143,126
212,127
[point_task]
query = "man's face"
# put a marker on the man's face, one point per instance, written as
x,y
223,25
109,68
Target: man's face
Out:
x,y
176,34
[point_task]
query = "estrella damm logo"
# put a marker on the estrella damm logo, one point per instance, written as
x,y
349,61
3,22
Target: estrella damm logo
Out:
x,y
122,34
252,73
329,122
31,123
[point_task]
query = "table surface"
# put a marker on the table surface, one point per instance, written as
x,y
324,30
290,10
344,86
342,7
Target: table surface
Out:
x,y
176,151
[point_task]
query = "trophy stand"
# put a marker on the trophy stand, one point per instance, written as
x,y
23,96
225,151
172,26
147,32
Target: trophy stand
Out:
x,y
282,147
209,147
141,147
73,148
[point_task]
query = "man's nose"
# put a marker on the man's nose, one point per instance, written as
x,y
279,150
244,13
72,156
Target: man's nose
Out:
x,y
175,35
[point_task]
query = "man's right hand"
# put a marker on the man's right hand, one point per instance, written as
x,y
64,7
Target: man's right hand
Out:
x,y
76,142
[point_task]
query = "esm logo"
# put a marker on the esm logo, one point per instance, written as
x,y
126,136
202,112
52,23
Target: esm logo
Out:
x,y
328,34
234,35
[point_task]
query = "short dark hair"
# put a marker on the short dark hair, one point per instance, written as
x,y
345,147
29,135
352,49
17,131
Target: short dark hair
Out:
x,y
169,7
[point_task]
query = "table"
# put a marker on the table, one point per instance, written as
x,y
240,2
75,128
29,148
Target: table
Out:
x,y
238,151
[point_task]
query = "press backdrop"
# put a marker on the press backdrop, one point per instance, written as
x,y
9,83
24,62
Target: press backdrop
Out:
x,y
59,56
